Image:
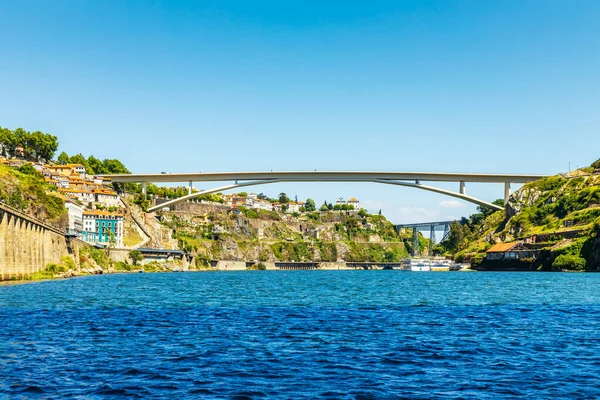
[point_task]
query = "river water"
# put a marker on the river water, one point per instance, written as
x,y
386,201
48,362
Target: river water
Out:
x,y
303,334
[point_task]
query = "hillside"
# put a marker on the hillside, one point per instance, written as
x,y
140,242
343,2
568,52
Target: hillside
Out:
x,y
558,218
213,232
25,190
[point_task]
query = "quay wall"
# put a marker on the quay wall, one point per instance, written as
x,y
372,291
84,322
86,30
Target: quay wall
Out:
x,y
28,245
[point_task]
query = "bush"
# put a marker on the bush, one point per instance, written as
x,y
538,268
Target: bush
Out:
x,y
262,266
55,268
596,164
569,262
68,263
123,266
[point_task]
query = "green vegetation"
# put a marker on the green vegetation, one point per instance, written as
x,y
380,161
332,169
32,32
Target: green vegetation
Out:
x,y
26,190
569,262
53,270
136,256
561,216
99,256
33,146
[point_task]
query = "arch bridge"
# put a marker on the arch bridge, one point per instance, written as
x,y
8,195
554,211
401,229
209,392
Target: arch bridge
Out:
x,y
406,179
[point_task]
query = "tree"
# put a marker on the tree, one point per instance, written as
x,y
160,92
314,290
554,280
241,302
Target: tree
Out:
x,y
362,212
8,142
596,164
45,145
283,198
22,138
380,211
242,194
330,206
136,256
455,237
310,205
324,207
113,166
28,169
262,196
94,166
63,158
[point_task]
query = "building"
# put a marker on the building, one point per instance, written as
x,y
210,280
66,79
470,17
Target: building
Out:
x,y
354,202
77,168
63,182
100,226
260,204
84,196
510,251
106,197
75,213
63,170
293,207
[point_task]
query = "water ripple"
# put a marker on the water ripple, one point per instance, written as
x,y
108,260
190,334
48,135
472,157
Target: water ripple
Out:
x,y
350,334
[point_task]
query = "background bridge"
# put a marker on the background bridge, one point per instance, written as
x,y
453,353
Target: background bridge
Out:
x,y
423,227
406,179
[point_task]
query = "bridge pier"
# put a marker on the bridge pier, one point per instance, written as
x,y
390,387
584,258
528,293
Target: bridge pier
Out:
x,y
446,232
463,188
506,192
190,188
144,188
431,239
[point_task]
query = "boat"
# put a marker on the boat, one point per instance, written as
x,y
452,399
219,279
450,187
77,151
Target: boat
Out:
x,y
420,264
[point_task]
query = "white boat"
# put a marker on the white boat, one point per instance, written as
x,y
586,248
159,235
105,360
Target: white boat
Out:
x,y
420,264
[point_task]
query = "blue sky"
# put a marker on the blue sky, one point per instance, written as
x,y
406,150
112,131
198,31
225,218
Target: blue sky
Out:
x,y
465,86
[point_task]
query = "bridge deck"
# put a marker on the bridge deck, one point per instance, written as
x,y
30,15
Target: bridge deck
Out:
x,y
326,176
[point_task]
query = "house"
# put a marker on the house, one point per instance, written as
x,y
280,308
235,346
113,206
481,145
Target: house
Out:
x,y
102,226
79,169
340,201
276,206
250,199
510,251
238,201
354,202
63,170
84,196
260,204
293,207
63,182
75,213
106,197
51,181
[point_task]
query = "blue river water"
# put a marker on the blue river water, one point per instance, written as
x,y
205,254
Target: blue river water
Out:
x,y
302,334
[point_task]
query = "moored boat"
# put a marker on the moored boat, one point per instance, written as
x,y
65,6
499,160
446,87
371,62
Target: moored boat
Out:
x,y
420,264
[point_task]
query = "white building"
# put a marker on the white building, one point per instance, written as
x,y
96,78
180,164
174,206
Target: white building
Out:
x,y
84,196
106,197
78,168
354,202
260,204
75,213
293,207
63,182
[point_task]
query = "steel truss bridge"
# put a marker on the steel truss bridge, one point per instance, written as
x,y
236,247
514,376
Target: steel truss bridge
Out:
x,y
405,179
424,226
